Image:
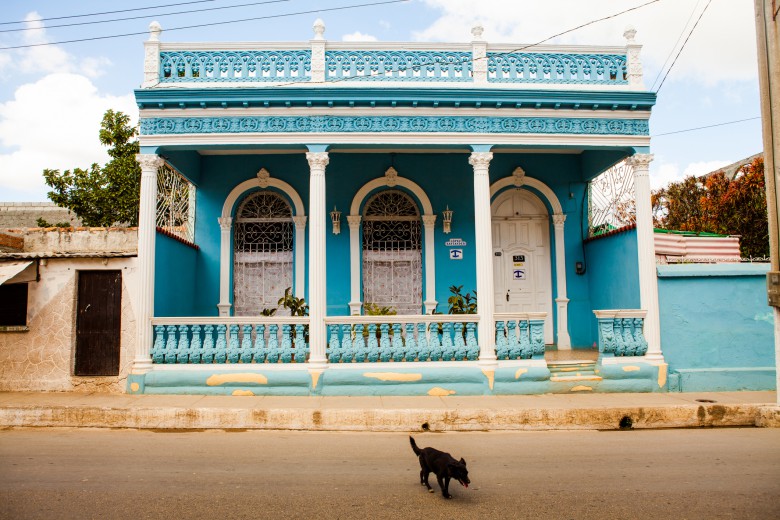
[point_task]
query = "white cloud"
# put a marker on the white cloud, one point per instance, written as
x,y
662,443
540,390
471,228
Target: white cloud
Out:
x,y
721,48
52,123
358,36
665,173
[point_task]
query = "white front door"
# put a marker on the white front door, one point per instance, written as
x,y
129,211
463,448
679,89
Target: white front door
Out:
x,y
521,256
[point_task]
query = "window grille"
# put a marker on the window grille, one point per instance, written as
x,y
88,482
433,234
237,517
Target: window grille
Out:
x,y
175,203
392,252
611,200
263,252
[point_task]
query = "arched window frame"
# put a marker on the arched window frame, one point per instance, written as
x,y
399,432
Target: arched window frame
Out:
x,y
262,181
391,179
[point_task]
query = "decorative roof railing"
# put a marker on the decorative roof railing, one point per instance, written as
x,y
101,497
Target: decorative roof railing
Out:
x,y
477,64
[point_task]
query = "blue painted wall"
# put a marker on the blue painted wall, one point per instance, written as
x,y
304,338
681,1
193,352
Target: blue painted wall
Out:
x,y
716,328
613,271
447,178
175,287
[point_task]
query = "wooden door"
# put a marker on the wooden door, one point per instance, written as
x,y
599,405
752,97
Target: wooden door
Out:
x,y
98,323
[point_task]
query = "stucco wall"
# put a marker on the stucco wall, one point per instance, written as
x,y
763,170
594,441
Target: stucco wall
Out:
x,y
42,359
613,271
717,332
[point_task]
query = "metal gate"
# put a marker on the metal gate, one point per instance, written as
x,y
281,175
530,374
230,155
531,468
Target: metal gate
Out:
x,y
392,253
262,254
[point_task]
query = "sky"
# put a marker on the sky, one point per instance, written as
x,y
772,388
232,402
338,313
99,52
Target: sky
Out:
x,y
52,97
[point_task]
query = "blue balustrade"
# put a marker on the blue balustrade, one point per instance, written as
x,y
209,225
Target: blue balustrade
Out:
x,y
520,337
235,66
383,65
531,67
233,352
621,335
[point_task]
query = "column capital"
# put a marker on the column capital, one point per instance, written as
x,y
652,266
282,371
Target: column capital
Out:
x,y
429,220
300,221
480,160
317,160
559,219
149,161
354,221
225,223
640,161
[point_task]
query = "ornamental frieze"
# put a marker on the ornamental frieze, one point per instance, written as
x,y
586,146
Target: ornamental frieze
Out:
x,y
414,124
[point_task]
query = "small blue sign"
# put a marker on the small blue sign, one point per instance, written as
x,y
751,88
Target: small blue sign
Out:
x,y
456,254
518,274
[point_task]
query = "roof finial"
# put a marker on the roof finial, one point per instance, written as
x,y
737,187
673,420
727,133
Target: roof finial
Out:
x,y
476,31
629,34
154,31
319,29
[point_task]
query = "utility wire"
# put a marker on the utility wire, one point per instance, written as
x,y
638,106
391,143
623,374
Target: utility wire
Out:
x,y
143,16
683,46
347,78
341,8
110,12
708,126
671,51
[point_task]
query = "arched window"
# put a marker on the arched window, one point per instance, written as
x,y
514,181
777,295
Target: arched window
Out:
x,y
262,252
392,252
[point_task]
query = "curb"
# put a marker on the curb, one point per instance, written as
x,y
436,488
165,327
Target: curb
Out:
x,y
392,420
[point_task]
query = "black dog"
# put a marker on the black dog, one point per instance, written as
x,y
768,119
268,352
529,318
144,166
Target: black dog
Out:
x,y
443,465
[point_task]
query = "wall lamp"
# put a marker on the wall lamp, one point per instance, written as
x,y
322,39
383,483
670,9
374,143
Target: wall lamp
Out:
x,y
447,214
335,218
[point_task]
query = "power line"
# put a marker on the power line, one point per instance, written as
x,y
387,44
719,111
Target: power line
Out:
x,y
690,17
109,12
143,16
708,126
683,46
499,53
342,8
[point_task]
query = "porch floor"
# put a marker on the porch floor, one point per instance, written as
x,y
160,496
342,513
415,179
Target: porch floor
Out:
x,y
553,355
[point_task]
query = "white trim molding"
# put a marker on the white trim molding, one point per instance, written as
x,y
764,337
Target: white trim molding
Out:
x,y
519,179
391,179
263,180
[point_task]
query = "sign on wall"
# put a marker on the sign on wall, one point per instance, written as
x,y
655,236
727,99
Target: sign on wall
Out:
x,y
455,242
456,254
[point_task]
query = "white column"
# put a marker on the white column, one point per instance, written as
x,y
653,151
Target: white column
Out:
x,y
355,303
648,277
561,300
300,256
429,225
147,226
633,63
479,64
484,255
225,226
317,266
318,52
152,57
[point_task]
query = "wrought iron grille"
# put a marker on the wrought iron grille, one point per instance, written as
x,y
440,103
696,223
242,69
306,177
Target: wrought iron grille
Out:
x,y
611,200
175,203
392,252
263,252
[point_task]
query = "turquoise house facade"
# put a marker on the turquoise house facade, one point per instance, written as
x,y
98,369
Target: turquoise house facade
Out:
x,y
365,181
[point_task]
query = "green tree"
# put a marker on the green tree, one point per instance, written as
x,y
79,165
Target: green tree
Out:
x,y
103,196
718,204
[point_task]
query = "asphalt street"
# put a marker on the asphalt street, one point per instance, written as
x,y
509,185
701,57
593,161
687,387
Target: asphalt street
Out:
x,y
681,474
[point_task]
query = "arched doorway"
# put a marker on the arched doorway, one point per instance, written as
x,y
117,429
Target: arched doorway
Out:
x,y
392,252
262,252
521,255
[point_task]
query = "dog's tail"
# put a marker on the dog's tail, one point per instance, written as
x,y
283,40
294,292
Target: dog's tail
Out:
x,y
414,446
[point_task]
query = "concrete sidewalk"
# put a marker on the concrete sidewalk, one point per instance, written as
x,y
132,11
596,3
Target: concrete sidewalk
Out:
x,y
529,412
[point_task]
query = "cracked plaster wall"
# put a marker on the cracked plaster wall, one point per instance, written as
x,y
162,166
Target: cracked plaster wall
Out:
x,y
42,359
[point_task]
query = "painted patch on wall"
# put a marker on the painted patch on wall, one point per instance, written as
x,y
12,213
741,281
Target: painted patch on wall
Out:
x,y
491,376
243,392
222,379
582,388
394,376
520,372
440,392
631,368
